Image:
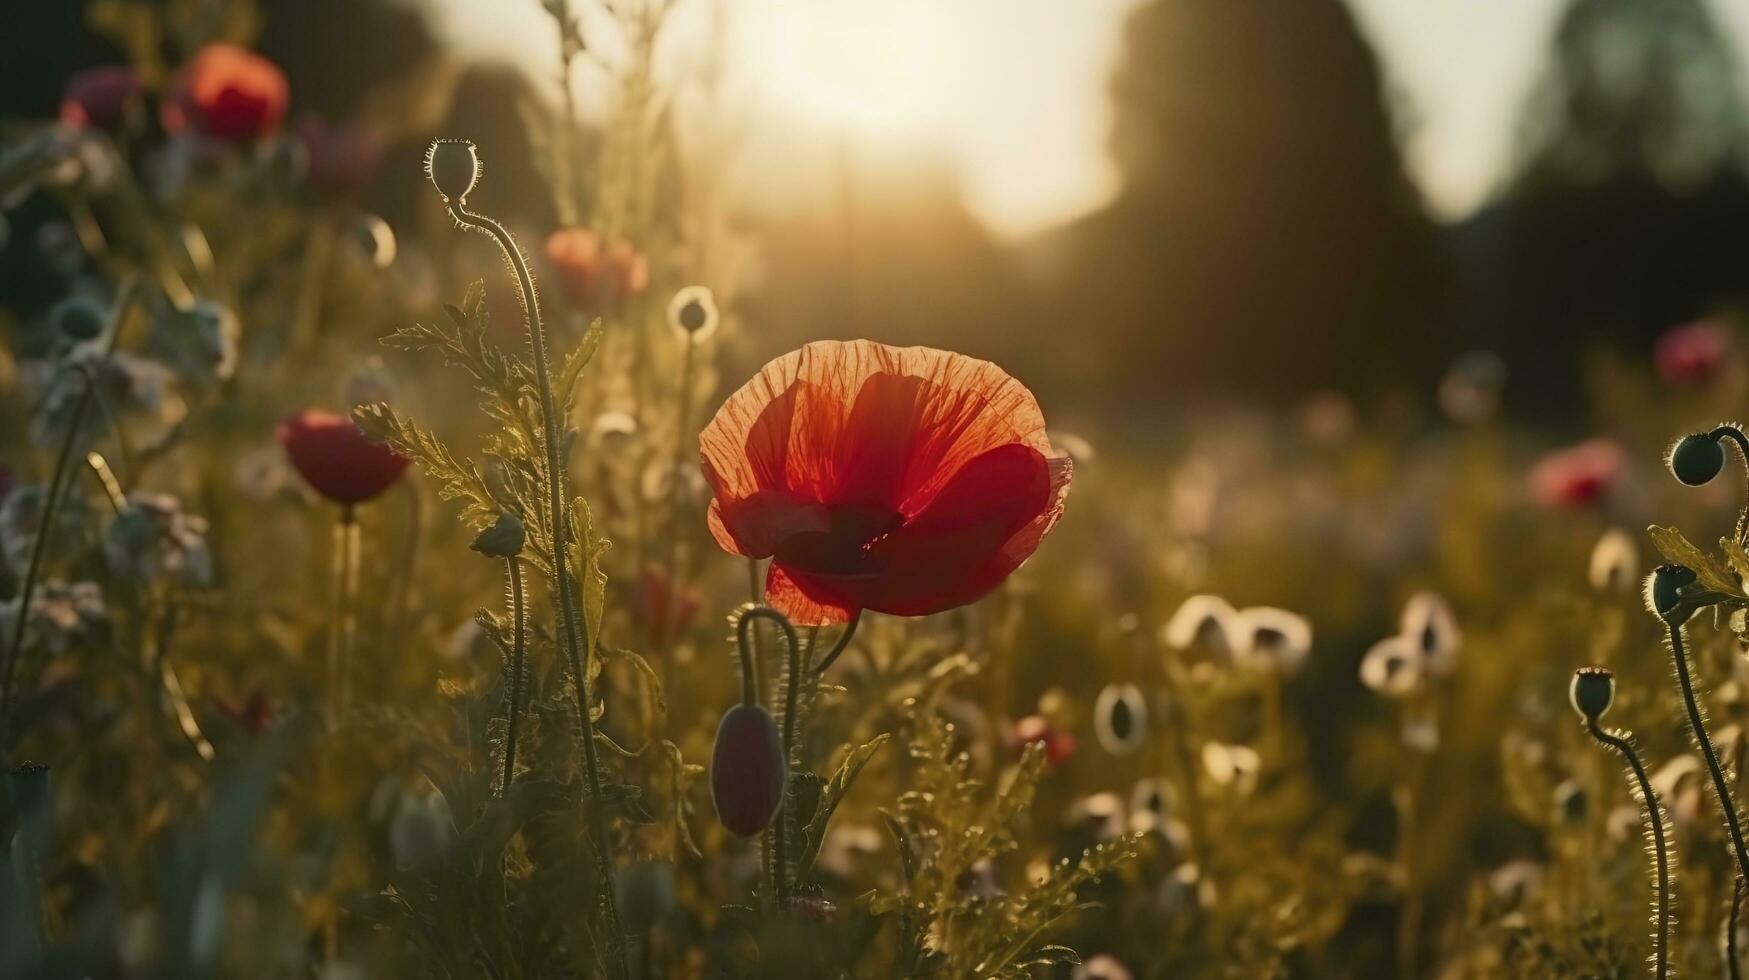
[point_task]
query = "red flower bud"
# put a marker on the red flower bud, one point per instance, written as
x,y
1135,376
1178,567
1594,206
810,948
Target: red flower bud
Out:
x,y
1059,745
101,98
1576,476
593,276
227,92
748,770
337,459
1691,354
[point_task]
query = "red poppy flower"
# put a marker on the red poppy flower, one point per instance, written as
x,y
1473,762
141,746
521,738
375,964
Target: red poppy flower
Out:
x,y
343,156
1059,745
227,92
1691,354
906,481
101,98
337,459
1578,475
592,275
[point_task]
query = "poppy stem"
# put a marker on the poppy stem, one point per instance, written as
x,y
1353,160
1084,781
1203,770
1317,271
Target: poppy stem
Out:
x,y
344,622
839,645
1620,742
1731,432
57,487
682,409
1733,959
518,668
574,639
778,836
1697,728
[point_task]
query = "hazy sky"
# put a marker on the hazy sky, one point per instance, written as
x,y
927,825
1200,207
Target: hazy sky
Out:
x,y
1011,93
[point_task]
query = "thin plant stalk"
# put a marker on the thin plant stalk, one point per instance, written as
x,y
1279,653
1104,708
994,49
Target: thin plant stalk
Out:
x,y
1697,728
1660,845
518,668
344,623
778,835
556,522
838,646
1733,958
57,487
682,409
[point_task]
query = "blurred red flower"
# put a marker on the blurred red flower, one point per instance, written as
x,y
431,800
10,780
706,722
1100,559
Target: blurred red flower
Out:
x,y
101,98
1578,475
227,92
1691,354
336,459
1059,745
666,610
343,156
255,715
906,481
592,275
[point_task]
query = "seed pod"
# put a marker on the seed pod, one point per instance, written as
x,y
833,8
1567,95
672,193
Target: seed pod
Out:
x,y
1696,459
693,312
453,166
79,319
1120,718
1592,691
748,770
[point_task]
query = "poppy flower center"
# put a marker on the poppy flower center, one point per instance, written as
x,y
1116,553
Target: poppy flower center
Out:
x,y
847,546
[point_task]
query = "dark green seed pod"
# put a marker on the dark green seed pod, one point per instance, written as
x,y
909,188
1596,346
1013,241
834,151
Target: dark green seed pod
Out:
x,y
1592,691
79,319
453,166
1697,459
504,539
748,770
1665,591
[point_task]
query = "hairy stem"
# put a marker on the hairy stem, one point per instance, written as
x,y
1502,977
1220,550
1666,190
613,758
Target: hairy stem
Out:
x,y
518,661
1697,728
1660,847
1731,432
556,522
779,857
838,647
344,622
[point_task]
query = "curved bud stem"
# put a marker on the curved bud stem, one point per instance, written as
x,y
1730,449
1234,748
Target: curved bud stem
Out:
x,y
1735,434
780,856
1660,846
1697,728
574,641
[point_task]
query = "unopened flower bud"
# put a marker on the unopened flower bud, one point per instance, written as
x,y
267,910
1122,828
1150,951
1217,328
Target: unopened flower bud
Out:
x,y
1697,459
1592,691
79,319
748,770
503,539
1664,590
453,166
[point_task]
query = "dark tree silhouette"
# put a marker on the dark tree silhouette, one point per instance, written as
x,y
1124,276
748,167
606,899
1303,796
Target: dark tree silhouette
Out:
x,y
1265,241
1627,209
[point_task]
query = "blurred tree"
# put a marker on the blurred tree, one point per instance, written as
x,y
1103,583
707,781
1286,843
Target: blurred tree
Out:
x,y
1627,209
1265,241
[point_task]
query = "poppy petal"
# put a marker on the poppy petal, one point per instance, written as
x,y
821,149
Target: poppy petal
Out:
x,y
808,600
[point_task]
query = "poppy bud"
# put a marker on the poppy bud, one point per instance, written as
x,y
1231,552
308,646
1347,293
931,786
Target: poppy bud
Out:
x,y
1664,589
453,166
1592,691
1696,459
1120,718
748,770
375,240
693,312
79,319
503,539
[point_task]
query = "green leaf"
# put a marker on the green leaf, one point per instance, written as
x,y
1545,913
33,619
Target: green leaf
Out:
x,y
588,548
566,383
1738,557
457,479
1671,543
833,794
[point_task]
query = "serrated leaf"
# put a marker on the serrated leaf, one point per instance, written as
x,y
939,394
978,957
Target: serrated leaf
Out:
x,y
588,547
1674,546
572,369
457,479
833,794
1737,556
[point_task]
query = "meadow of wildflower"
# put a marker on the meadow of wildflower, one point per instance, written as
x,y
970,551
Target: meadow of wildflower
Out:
x,y
456,597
